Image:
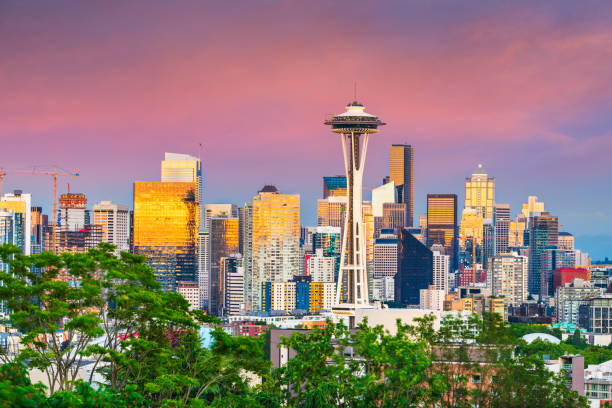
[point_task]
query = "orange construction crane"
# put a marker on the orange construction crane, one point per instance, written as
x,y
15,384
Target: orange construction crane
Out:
x,y
54,174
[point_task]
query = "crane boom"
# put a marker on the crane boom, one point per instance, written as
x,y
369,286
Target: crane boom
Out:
x,y
54,174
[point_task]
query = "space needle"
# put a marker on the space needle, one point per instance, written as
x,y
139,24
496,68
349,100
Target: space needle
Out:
x,y
354,127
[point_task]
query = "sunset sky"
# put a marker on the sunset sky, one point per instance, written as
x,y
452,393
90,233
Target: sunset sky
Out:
x,y
105,88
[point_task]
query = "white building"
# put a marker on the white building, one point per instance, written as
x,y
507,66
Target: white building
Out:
x,y
279,296
507,277
441,264
203,266
234,291
114,221
191,293
381,195
570,296
384,289
321,268
582,258
432,298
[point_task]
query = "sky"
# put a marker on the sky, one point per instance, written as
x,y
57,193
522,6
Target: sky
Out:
x,y
105,88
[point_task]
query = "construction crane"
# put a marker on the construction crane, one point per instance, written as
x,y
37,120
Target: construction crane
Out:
x,y
54,174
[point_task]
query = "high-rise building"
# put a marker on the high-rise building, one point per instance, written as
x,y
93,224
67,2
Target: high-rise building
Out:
x,y
382,195
11,232
80,241
431,298
40,230
321,268
334,186
470,228
501,219
233,285
415,269
394,216
385,254
328,240
442,224
566,240
354,127
204,266
441,264
543,233
480,193
245,217
219,210
507,277
330,211
165,229
552,259
21,205
532,206
384,289
113,218
564,275
401,172
183,168
190,291
72,212
570,296
516,234
275,239
223,243
488,242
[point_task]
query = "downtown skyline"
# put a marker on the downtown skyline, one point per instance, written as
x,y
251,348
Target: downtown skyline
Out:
x,y
529,101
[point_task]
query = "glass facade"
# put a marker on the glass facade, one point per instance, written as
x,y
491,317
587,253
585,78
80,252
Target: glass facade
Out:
x,y
442,224
401,159
224,233
543,233
415,269
275,240
480,193
165,229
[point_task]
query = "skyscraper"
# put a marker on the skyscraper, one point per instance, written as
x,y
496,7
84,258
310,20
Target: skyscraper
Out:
x,y
275,238
330,211
401,171
165,229
441,266
480,193
183,168
334,186
204,266
113,218
328,240
219,210
415,269
233,285
72,212
385,254
223,243
354,127
442,224
501,219
543,233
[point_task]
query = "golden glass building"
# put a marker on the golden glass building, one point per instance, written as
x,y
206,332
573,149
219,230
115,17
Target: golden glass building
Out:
x,y
165,229
470,228
480,193
224,233
401,171
275,240
442,224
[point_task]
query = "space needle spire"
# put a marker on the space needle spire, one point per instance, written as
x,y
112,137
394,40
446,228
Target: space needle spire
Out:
x,y
354,127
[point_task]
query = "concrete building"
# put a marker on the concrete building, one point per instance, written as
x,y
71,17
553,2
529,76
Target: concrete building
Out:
x,y
507,277
204,266
73,212
566,240
321,268
385,254
432,298
441,264
384,289
191,292
570,296
114,219
233,285
501,220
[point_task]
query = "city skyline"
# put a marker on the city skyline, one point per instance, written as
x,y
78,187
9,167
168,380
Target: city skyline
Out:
x,y
535,118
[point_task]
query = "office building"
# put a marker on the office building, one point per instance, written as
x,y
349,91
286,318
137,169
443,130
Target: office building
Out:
x,y
599,314
415,269
330,211
114,220
394,216
11,232
183,168
384,289
501,220
431,298
507,277
385,254
245,218
488,242
21,205
223,243
570,296
191,292
552,259
79,241
204,266
441,264
442,224
401,172
165,229
566,240
564,275
532,206
40,231
328,239
384,194
275,239
581,258
543,232
516,233
480,193
470,228
73,212
220,211
334,186
232,272
321,268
